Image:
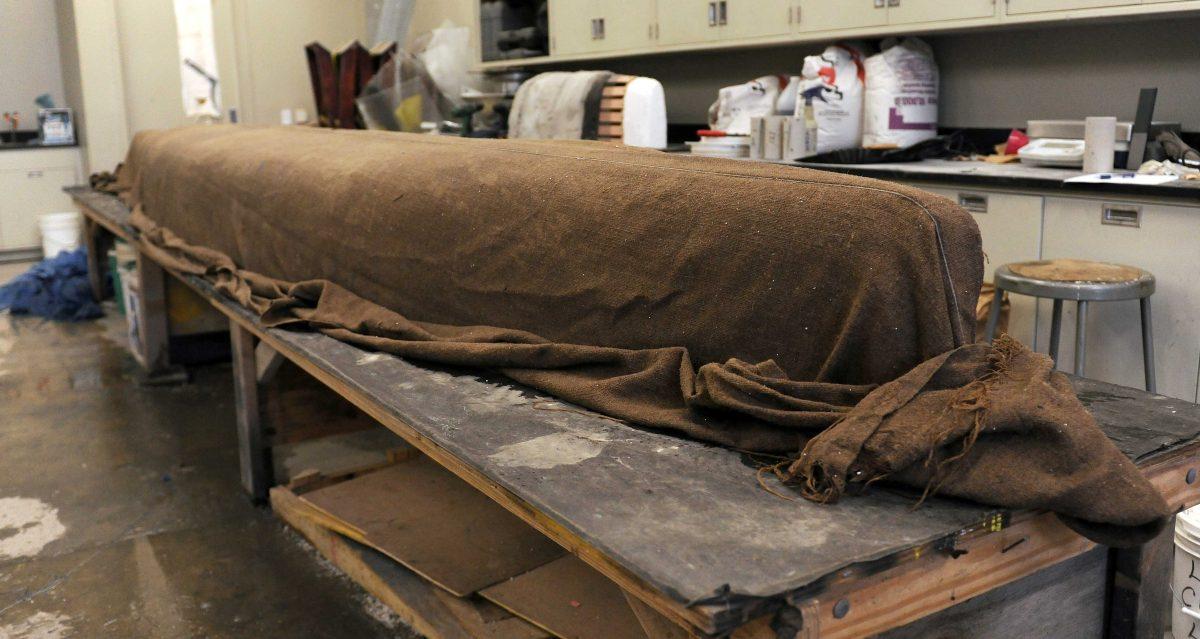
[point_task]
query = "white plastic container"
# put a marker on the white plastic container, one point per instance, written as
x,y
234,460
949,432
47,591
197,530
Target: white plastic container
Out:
x,y
1099,144
60,232
1185,581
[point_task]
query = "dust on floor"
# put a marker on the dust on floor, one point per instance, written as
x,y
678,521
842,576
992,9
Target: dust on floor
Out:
x,y
121,513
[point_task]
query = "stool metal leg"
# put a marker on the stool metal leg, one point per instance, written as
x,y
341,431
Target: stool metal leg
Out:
x,y
1080,333
994,315
1055,329
1148,344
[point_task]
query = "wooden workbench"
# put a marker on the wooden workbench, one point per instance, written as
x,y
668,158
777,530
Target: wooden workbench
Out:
x,y
685,528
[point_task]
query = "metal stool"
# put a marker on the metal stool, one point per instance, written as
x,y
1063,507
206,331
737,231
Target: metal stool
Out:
x,y
1083,282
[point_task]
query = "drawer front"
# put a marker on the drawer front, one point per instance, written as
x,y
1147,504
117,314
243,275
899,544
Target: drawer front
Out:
x,y
1164,240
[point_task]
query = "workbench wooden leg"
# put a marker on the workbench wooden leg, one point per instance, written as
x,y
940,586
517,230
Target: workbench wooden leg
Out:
x,y
1140,592
97,240
254,452
153,332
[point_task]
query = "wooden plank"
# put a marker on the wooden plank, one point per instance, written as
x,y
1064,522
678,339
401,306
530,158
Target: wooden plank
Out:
x,y
569,599
427,609
645,487
610,130
253,452
860,605
340,454
655,625
1140,601
1065,601
97,241
1140,595
612,104
437,525
612,92
1140,424
617,79
936,577
266,362
153,332
612,117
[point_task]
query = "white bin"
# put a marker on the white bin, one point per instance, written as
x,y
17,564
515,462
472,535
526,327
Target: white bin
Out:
x,y
1185,581
60,232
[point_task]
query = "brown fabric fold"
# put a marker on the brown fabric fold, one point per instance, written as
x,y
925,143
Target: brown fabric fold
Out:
x,y
755,307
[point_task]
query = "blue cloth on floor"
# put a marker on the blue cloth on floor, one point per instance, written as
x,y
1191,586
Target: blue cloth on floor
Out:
x,y
57,288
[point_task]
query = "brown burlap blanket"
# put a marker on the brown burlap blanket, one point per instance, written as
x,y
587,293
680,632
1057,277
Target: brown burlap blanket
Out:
x,y
821,317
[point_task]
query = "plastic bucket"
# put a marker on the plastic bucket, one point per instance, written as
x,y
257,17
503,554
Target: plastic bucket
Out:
x,y
1185,580
60,232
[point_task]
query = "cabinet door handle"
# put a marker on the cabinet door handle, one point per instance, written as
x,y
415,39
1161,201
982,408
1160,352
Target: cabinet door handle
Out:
x,y
973,203
879,4
712,14
33,174
723,13
893,3
1121,215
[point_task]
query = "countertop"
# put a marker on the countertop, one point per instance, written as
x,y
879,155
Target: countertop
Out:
x,y
25,146
1015,176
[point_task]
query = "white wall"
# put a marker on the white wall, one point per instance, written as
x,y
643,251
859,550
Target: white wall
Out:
x,y
150,64
101,83
263,40
1002,79
29,62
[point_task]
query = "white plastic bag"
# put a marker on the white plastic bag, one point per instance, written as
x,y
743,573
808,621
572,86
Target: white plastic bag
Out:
x,y
786,103
901,104
735,105
833,86
447,57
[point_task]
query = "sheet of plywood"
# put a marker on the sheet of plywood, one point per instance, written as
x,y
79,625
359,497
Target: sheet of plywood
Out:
x,y
431,611
570,599
437,525
654,624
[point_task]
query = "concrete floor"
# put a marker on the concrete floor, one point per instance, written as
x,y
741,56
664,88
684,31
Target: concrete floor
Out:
x,y
121,514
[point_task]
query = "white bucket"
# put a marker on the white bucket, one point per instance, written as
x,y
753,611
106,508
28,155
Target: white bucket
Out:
x,y
60,232
1185,581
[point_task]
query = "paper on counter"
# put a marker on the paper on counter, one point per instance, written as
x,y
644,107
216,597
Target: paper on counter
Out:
x,y
1122,178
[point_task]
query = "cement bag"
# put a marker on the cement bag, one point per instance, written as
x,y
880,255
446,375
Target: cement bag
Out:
x,y
735,105
833,84
902,94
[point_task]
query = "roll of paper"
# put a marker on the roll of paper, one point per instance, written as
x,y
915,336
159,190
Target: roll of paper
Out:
x,y
1099,144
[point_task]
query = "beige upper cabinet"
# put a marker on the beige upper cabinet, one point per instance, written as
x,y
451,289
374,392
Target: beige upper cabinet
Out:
x,y
913,11
755,18
828,15
571,26
628,24
593,28
1016,7
688,21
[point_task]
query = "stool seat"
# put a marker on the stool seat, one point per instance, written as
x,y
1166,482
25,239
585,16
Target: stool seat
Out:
x,y
1078,280
1082,282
